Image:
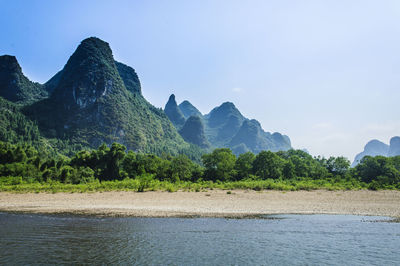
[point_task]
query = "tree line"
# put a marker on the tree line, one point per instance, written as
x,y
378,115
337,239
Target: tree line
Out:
x,y
221,165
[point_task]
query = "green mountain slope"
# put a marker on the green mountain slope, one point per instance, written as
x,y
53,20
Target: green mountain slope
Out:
x,y
189,110
14,126
91,104
129,77
15,86
225,126
193,132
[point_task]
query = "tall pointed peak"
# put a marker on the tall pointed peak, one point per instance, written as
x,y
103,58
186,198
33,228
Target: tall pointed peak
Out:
x,y
172,98
89,75
173,112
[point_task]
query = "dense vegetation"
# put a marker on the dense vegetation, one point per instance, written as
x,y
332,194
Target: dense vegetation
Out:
x,y
23,168
15,86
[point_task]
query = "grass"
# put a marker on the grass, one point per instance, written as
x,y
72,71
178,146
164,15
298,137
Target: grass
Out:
x,y
17,184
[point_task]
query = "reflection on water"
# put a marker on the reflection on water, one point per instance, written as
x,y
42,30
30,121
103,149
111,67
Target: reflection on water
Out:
x,y
291,239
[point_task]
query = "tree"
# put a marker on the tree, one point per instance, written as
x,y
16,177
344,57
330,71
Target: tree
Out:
x,y
288,170
337,165
181,168
244,165
268,165
219,164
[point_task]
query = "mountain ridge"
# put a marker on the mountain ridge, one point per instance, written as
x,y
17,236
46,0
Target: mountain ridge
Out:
x,y
15,86
91,103
225,126
376,147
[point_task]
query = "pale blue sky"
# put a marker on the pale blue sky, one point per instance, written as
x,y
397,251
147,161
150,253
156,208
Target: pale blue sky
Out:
x,y
326,73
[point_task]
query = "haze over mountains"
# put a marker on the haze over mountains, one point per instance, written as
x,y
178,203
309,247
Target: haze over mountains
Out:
x,y
95,100
225,126
376,147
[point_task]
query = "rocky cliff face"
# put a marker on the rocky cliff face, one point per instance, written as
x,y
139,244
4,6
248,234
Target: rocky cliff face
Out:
x,y
15,86
92,103
173,112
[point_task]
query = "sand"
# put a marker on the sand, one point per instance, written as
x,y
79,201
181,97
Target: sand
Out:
x,y
214,203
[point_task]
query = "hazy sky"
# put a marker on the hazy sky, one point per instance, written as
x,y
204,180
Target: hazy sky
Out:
x,y
325,73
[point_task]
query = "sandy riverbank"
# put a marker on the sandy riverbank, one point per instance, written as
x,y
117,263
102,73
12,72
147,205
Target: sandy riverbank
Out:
x,y
215,203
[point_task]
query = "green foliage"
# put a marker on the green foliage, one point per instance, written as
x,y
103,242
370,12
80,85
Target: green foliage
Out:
x,y
268,165
24,168
379,171
219,165
244,165
15,86
144,182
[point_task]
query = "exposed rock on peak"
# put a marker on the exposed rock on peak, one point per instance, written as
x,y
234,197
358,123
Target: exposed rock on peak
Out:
x,y
89,74
14,85
173,112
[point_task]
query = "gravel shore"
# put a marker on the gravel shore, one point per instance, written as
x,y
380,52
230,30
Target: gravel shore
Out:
x,y
214,203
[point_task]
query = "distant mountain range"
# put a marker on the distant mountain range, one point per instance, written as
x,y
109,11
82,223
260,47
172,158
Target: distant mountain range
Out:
x,y
376,147
95,100
224,126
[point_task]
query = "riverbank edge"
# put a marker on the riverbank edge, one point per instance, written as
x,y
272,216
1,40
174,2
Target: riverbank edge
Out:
x,y
205,208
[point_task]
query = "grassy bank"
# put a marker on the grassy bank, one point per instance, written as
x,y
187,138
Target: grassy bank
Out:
x,y
148,184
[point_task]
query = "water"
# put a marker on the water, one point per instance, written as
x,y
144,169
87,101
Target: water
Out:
x,y
291,239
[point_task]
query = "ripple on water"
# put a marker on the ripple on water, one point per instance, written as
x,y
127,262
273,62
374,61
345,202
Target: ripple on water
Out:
x,y
278,239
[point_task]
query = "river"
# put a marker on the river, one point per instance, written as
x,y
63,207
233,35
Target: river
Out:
x,y
275,240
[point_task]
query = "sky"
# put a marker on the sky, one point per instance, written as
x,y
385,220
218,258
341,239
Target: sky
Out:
x,y
325,73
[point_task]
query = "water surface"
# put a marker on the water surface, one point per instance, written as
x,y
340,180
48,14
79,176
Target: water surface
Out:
x,y
290,239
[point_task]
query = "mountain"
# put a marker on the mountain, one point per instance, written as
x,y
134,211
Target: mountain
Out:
x,y
173,112
252,137
15,86
222,123
372,148
189,110
225,126
127,74
221,114
95,99
15,127
129,77
193,132
394,148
